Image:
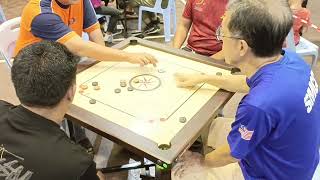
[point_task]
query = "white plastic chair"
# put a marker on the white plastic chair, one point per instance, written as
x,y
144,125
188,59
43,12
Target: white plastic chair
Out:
x,y
167,13
9,32
307,48
290,41
304,48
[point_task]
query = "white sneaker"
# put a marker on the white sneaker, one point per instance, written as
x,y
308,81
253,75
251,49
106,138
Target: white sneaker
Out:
x,y
117,32
108,38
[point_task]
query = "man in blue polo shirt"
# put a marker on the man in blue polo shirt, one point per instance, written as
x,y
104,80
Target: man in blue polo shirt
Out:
x,y
276,132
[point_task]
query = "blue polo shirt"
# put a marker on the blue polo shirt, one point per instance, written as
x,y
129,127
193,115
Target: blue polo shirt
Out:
x,y
277,129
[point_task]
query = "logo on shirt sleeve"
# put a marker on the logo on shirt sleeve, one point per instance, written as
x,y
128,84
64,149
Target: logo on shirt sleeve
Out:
x,y
312,92
245,133
71,21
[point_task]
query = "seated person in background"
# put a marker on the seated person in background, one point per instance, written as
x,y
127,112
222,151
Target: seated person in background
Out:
x,y
300,13
64,21
276,132
149,18
102,8
32,145
203,17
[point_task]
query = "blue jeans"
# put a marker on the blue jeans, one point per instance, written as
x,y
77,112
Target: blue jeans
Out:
x,y
114,16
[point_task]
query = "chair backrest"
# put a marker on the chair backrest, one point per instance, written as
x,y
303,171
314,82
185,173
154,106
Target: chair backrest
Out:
x,y
2,16
290,41
9,32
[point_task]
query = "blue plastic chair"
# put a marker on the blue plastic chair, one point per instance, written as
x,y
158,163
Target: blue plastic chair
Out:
x,y
304,48
169,11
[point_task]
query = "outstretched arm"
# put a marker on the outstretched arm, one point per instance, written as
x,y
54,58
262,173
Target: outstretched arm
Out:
x,y
99,52
232,83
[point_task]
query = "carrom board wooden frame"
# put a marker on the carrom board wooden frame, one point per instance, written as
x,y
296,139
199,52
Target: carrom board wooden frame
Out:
x,y
197,126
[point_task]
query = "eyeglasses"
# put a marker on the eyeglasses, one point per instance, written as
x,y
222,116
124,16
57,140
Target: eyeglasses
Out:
x,y
219,35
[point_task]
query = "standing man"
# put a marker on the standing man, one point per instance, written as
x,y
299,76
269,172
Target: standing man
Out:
x,y
276,132
203,17
63,21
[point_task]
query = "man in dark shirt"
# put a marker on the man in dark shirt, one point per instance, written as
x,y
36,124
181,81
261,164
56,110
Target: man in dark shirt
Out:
x,y
32,145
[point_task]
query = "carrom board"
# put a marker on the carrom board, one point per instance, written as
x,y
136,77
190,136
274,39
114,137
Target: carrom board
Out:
x,y
153,115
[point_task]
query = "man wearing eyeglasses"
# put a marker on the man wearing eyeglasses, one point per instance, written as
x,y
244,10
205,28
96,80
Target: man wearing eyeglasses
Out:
x,y
276,132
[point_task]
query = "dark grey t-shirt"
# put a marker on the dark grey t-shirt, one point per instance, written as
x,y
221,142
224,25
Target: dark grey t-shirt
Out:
x,y
33,147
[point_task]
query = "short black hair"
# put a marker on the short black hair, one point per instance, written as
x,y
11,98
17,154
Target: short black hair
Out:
x,y
263,24
43,72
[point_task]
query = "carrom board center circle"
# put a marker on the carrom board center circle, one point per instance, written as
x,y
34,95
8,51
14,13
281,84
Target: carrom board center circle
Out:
x,y
145,82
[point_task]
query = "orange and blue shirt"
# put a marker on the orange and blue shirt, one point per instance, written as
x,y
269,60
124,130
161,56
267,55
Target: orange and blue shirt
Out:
x,y
51,20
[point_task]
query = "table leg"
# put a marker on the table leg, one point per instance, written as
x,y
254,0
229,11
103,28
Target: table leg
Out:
x,y
124,19
204,139
163,174
97,144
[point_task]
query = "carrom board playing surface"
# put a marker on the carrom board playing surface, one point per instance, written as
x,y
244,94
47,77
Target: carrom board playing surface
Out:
x,y
153,107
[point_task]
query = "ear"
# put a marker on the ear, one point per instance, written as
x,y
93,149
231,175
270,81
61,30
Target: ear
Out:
x,y
71,92
244,47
